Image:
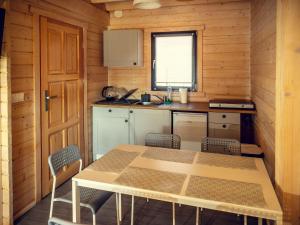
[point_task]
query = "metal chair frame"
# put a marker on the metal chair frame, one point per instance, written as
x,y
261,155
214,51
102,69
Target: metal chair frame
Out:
x,y
69,156
58,221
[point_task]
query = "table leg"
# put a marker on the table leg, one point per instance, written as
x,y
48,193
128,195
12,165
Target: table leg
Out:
x,y
132,210
245,220
75,202
117,209
173,213
260,221
197,215
120,207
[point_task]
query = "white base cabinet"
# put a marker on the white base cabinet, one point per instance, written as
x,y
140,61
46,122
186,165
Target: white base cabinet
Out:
x,y
150,121
191,127
110,128
115,126
224,125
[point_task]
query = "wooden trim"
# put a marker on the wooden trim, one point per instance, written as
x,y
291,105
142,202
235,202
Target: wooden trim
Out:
x,y
164,27
85,97
200,61
55,16
6,126
37,105
24,210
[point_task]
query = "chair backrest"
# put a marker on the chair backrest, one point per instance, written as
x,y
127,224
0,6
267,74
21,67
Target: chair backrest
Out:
x,y
221,145
57,221
63,157
163,140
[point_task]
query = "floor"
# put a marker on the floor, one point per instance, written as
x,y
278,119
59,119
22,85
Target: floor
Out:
x,y
151,213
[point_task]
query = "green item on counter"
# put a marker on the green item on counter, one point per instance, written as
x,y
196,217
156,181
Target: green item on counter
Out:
x,y
168,102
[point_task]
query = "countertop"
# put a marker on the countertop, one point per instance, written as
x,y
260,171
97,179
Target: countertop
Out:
x,y
189,107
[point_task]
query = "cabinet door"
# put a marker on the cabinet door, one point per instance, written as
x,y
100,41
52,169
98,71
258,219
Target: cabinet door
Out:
x,y
150,121
109,130
123,48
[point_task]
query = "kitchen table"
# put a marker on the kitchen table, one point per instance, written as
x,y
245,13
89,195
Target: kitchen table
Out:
x,y
226,183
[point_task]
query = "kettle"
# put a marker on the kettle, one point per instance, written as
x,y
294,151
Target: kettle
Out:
x,y
109,93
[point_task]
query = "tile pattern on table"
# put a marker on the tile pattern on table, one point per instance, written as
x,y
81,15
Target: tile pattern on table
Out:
x,y
171,155
226,161
114,161
235,192
153,180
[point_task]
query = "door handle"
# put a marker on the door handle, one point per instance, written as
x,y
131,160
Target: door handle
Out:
x,y
47,99
51,97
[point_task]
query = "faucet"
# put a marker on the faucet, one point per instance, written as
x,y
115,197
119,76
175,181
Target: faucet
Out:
x,y
160,98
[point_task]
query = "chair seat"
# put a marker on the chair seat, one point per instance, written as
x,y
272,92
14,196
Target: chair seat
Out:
x,y
89,198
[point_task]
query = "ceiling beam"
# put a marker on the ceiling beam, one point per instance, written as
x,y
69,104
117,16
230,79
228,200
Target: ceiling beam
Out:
x,y
127,5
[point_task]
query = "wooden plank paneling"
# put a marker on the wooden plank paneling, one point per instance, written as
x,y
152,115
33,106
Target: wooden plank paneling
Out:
x,y
226,44
263,76
23,42
288,109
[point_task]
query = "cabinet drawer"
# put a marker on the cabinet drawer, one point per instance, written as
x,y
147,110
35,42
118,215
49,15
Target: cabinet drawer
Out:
x,y
111,112
225,130
232,118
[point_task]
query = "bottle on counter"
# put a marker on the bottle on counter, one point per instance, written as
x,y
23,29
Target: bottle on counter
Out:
x,y
169,95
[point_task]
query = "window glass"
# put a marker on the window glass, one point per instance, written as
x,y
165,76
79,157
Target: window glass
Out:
x,y
173,60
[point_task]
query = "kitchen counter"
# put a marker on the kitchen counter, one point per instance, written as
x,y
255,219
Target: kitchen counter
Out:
x,y
190,107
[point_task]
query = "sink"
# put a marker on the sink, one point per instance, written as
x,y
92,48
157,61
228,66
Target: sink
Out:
x,y
150,103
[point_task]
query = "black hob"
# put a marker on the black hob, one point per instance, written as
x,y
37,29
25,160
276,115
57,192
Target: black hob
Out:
x,y
119,102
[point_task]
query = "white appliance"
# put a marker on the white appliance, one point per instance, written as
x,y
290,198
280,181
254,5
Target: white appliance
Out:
x,y
191,127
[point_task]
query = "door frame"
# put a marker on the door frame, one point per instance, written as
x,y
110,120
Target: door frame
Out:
x,y
37,14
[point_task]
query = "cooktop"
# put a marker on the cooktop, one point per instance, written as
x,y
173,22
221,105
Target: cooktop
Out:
x,y
120,101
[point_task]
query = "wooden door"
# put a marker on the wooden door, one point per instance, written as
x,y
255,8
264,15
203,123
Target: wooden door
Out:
x,y
61,94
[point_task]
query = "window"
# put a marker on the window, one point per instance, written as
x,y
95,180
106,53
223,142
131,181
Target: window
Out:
x,y
174,57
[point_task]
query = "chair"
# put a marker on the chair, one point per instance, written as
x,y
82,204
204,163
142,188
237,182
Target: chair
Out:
x,y
163,140
57,221
89,198
221,145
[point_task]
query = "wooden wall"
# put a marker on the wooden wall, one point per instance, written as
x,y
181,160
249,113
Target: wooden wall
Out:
x,y
263,76
5,132
23,80
226,43
288,109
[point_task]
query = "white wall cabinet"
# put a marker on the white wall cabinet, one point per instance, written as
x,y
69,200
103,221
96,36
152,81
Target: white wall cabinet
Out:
x,y
123,48
150,121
